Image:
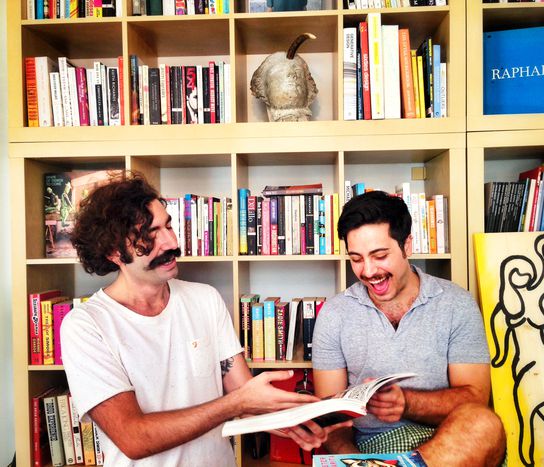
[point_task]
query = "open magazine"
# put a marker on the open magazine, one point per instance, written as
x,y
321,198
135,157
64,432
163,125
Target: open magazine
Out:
x,y
346,405
398,459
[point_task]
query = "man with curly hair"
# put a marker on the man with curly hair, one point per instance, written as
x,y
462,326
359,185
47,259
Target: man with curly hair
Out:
x,y
154,361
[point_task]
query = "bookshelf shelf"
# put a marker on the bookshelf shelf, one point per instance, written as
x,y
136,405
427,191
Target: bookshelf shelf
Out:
x,y
218,159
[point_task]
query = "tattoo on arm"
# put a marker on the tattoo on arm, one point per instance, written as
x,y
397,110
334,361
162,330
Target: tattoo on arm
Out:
x,y
226,365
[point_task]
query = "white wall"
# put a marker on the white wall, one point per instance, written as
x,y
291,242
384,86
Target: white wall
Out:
x,y
7,443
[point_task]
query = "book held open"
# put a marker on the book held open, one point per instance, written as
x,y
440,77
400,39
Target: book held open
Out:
x,y
346,405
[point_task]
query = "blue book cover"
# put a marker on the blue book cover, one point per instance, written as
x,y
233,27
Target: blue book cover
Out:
x,y
398,459
436,81
243,194
514,71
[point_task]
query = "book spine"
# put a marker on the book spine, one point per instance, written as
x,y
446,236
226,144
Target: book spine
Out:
x,y
114,99
87,437
440,237
243,194
154,96
328,225
211,80
36,432
335,216
282,311
376,65
134,91
288,221
66,429
194,226
406,75
82,98
60,310
423,223
259,225
145,95
350,74
281,225
188,222
97,446
269,330
53,431
191,95
47,333
365,69
436,81
98,94
292,328
302,217
443,90
295,223
33,118
274,225
56,99
252,225
431,226
74,105
322,224
257,325
266,227
199,95
245,319
163,93
43,68
309,213
391,71
91,97
76,432
415,80
308,322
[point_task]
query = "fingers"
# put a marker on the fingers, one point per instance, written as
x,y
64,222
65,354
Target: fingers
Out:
x,y
277,375
308,436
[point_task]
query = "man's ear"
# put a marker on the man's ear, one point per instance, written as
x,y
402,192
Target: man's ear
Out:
x,y
408,246
115,258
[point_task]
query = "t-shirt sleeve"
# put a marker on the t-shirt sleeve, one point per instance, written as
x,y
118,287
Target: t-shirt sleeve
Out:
x,y
94,373
326,345
468,343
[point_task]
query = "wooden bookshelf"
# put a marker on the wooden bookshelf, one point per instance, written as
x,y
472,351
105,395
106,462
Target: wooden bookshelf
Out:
x,y
219,159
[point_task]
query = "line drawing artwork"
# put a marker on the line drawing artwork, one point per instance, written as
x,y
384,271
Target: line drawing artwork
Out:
x,y
519,314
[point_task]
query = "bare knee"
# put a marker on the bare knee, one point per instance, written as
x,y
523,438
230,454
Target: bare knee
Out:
x,y
480,419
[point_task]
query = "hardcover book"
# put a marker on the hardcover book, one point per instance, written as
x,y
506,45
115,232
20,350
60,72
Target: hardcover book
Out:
x,y
398,459
346,405
514,71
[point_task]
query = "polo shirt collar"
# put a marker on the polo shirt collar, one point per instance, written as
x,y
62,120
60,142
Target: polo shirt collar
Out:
x,y
429,287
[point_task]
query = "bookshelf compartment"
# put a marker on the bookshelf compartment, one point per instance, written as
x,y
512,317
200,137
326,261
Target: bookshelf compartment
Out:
x,y
259,7
256,38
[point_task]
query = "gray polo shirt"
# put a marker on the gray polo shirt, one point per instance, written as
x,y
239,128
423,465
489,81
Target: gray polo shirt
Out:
x,y
443,326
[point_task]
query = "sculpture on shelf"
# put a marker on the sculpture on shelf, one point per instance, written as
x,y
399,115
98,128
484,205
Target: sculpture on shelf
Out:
x,y
285,84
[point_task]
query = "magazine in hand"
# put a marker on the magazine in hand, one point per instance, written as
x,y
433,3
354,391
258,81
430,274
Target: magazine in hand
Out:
x,y
398,459
346,405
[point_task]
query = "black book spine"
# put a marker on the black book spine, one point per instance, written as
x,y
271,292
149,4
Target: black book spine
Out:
x,y
154,7
218,116
206,94
309,211
259,225
175,95
81,9
252,225
113,86
108,8
134,91
154,96
281,225
191,95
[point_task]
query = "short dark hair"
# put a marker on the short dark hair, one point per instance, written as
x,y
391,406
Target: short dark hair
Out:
x,y
111,216
376,207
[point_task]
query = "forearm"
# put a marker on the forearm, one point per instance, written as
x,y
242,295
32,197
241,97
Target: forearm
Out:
x,y
431,407
341,442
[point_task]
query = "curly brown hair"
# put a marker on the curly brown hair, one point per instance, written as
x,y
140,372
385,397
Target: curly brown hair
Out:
x,y
110,219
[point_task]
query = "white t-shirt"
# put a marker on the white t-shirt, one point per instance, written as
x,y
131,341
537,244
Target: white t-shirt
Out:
x,y
170,361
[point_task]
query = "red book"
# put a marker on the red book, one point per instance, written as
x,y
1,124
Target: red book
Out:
x,y
83,101
266,227
35,324
211,71
31,92
60,310
365,69
41,455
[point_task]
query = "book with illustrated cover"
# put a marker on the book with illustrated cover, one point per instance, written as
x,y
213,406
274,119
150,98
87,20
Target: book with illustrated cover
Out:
x,y
346,405
398,459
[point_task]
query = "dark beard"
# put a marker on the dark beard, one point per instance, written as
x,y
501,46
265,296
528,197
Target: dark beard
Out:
x,y
166,257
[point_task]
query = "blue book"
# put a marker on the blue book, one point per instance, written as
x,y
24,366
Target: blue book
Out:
x,y
514,71
39,10
243,194
399,459
358,188
436,81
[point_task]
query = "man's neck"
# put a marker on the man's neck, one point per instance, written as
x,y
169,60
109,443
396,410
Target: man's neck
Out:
x,y
147,300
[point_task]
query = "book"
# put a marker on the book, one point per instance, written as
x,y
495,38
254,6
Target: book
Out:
x,y
376,65
406,75
308,323
76,431
269,313
293,328
513,74
47,329
246,301
391,71
33,119
65,420
35,324
350,80
53,430
398,459
257,331
60,310
310,189
346,405
87,438
41,454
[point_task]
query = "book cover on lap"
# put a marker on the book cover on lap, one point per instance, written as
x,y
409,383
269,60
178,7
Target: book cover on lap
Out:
x,y
513,71
346,405
398,459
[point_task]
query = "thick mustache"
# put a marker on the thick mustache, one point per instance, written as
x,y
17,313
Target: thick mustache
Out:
x,y
164,258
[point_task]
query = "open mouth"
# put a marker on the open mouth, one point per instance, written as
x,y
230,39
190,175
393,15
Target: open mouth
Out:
x,y
379,285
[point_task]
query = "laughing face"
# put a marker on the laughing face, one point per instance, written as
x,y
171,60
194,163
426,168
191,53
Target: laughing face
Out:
x,y
379,263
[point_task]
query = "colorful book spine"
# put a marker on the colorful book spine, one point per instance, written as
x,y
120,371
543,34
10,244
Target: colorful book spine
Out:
x,y
376,65
308,322
335,216
66,428
257,337
33,119
269,314
82,98
406,75
60,310
274,225
282,317
243,194
365,69
266,226
87,437
35,324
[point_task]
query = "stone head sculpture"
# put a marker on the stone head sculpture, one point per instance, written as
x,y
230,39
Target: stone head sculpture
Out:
x,y
285,84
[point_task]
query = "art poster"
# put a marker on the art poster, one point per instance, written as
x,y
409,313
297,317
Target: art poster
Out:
x,y
510,270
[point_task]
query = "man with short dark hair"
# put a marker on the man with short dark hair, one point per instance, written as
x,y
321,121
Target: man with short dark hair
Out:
x,y
154,360
399,319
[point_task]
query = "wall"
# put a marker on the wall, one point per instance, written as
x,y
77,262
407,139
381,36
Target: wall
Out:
x,y
7,443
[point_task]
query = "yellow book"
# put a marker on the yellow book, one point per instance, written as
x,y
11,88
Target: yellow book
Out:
x,y
335,215
270,328
421,86
73,8
47,329
87,433
257,332
416,81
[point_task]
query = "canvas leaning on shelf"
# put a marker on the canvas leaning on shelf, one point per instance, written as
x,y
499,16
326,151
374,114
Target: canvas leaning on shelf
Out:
x,y
398,459
344,406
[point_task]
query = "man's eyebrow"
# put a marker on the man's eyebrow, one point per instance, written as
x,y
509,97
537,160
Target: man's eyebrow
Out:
x,y
155,227
373,252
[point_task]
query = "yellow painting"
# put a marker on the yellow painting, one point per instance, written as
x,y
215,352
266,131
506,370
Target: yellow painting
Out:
x,y
510,270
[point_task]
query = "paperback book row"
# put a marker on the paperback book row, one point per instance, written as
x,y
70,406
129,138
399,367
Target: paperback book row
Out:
x,y
179,7
385,78
176,94
58,437
66,9
58,93
62,193
515,206
360,4
288,220
271,328
203,224
47,309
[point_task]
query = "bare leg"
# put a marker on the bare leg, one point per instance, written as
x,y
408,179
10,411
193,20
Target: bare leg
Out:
x,y
471,435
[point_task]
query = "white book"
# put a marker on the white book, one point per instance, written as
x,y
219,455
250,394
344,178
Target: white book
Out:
x,y
328,225
91,97
221,85
194,227
391,71
350,73
162,82
44,66
403,189
416,232
202,204
56,99
440,223
105,105
364,3
291,330
375,55
200,94
65,90
181,238
30,9
172,208
168,7
76,431
145,91
227,93
97,446
74,103
288,225
98,85
53,430
443,90
114,102
529,206
348,192
190,7
423,223
66,429
316,224
441,2
295,223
